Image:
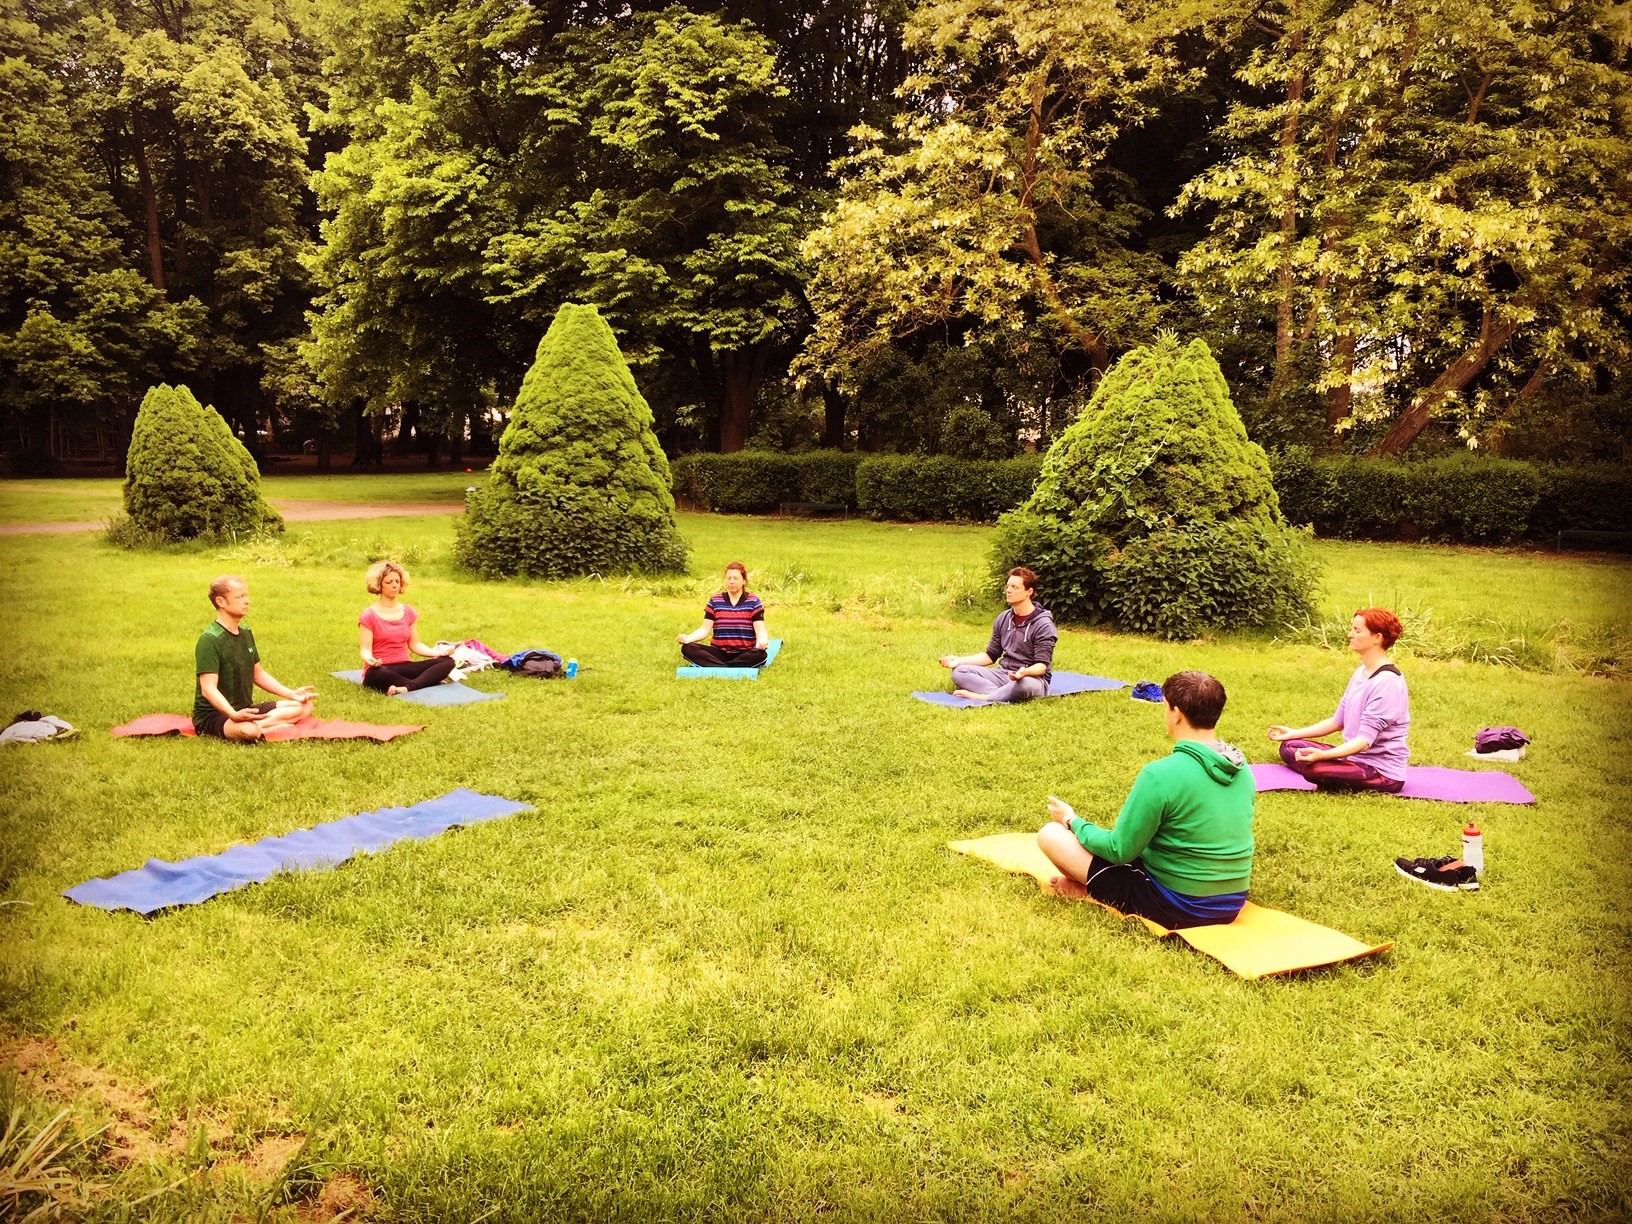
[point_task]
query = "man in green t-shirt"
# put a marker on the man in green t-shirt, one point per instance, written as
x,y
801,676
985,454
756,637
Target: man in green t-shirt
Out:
x,y
1180,852
229,667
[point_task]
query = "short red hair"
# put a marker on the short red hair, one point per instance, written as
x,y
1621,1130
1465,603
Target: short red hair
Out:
x,y
1381,620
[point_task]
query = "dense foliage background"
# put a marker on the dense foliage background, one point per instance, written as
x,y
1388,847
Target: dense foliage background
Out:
x,y
919,226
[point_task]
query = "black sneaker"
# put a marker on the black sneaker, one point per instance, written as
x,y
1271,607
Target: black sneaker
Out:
x,y
1447,874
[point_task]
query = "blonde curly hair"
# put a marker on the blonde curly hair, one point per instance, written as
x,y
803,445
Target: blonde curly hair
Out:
x,y
378,571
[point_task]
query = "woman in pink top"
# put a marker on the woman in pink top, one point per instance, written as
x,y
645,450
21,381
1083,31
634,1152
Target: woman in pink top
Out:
x,y
1373,718
386,633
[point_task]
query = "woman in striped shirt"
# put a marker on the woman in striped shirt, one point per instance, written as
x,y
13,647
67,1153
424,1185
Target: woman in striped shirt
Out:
x,y
736,620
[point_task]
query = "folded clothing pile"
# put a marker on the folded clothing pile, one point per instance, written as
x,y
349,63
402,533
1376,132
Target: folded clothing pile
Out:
x,y
30,727
1500,744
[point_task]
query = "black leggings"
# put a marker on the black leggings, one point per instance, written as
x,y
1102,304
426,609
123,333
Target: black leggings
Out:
x,y
407,675
704,655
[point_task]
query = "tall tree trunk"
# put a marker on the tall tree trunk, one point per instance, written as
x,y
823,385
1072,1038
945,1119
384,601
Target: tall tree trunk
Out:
x,y
456,440
1287,175
150,208
833,432
1341,401
737,386
405,431
1457,376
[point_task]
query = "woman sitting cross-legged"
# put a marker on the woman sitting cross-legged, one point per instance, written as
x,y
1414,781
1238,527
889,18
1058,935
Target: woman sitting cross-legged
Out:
x,y
736,619
1373,718
386,633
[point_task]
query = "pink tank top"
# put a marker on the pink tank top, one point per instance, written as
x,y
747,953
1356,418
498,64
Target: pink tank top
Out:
x,y
391,638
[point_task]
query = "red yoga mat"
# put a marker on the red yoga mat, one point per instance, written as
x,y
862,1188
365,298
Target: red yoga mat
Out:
x,y
306,728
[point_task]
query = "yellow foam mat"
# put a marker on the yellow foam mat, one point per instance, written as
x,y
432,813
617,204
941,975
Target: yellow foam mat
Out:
x,y
1261,942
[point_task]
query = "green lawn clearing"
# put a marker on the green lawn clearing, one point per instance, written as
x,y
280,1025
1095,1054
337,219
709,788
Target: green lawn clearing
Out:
x,y
726,969
94,500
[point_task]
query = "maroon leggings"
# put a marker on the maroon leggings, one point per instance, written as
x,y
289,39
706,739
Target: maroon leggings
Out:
x,y
1339,775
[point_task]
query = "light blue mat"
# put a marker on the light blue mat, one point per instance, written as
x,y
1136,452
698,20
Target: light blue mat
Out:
x,y
436,695
694,672
160,885
1064,684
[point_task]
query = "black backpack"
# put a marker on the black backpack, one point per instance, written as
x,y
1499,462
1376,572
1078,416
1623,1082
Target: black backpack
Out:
x,y
542,664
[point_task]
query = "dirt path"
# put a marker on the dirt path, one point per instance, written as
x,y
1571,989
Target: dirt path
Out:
x,y
292,511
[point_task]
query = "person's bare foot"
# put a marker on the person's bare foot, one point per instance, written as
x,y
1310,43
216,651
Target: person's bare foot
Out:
x,y
396,690
1071,890
968,696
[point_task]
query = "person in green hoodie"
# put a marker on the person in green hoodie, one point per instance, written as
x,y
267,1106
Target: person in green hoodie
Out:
x,y
1180,852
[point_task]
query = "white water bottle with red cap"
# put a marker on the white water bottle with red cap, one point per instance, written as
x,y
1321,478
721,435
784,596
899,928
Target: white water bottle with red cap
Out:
x,y
1473,848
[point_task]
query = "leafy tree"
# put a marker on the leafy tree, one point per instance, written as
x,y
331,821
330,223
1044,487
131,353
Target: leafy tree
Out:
x,y
1431,201
1155,511
186,476
991,211
679,220
580,485
194,114
81,331
425,107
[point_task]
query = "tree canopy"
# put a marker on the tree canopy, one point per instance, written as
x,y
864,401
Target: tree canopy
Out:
x,y
912,225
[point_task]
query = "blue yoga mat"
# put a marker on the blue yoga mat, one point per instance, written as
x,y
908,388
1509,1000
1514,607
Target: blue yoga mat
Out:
x,y
1064,684
436,695
730,673
160,885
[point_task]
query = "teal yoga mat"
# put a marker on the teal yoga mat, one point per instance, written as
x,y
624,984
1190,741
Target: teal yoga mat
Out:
x,y
694,672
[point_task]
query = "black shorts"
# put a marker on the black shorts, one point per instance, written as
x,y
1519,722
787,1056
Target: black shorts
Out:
x,y
1128,889
216,723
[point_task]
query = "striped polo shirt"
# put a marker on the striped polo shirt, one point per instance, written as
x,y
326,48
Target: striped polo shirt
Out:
x,y
734,623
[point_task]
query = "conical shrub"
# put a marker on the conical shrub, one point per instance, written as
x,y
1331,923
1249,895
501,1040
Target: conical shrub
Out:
x,y
580,485
186,476
1155,511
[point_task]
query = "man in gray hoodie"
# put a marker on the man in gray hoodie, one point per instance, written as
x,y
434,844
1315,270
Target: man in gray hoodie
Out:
x,y
1023,637
1180,852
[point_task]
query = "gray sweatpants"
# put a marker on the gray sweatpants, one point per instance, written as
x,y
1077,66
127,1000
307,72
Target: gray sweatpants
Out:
x,y
995,685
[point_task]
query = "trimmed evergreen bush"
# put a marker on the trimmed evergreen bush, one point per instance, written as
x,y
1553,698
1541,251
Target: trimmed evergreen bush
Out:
x,y
580,485
186,476
1155,511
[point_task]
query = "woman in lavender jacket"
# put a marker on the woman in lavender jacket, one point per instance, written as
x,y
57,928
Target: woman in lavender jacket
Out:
x,y
1373,718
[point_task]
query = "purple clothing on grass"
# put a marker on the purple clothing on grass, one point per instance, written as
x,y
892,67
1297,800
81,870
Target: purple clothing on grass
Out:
x,y
1378,708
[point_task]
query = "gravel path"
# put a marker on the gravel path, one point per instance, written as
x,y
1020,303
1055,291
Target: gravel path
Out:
x,y
292,511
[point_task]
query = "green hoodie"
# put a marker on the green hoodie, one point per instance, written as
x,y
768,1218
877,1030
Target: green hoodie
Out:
x,y
1189,816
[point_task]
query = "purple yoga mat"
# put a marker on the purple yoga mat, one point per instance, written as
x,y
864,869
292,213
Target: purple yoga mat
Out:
x,y
1421,782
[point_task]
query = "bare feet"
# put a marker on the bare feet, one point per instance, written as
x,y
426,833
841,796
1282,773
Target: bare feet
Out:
x,y
1071,890
968,696
395,690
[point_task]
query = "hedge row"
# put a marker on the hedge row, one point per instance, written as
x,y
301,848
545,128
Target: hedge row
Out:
x,y
752,482
912,487
1461,498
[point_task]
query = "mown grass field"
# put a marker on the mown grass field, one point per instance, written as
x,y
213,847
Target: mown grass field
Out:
x,y
727,969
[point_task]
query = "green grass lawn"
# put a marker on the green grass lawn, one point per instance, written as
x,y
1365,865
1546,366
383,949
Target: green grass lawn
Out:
x,y
93,500
727,969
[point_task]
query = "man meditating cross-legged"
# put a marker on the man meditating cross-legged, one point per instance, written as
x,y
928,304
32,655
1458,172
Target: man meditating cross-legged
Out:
x,y
229,667
1180,852
1023,637
735,620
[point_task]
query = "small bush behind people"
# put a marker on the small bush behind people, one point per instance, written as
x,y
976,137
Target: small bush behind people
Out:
x,y
580,485
187,477
1156,512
